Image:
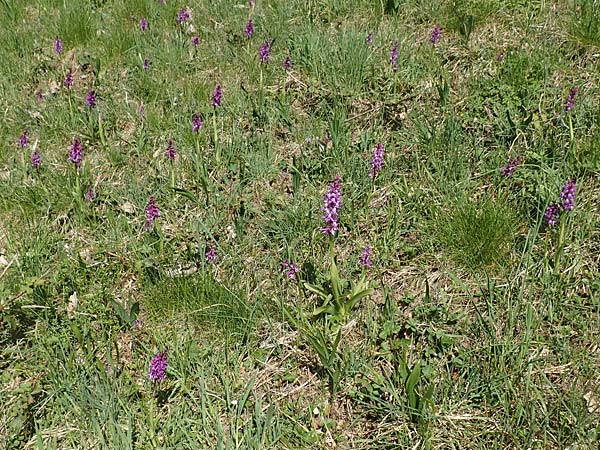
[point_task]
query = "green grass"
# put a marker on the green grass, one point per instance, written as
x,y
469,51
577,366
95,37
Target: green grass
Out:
x,y
478,233
482,330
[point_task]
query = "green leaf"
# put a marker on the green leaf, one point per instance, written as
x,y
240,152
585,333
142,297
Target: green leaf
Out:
x,y
428,393
187,194
336,284
319,344
412,402
244,397
317,290
291,318
133,312
120,311
356,297
326,308
76,331
413,379
459,283
338,338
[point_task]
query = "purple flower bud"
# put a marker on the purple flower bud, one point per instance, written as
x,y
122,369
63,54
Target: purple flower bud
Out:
x,y
510,167
332,202
370,39
251,3
90,99
195,41
263,52
183,16
69,79
291,270
158,366
23,139
287,64
196,123
58,45
90,194
436,35
210,254
152,213
377,160
36,160
146,64
40,94
567,196
143,24
217,97
170,152
551,214
570,103
76,153
249,30
365,258
394,56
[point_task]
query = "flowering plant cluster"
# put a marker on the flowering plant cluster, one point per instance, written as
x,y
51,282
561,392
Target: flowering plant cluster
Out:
x,y
69,79
76,153
567,203
290,268
365,258
570,102
510,167
436,35
249,29
336,296
36,159
264,51
211,255
287,64
158,366
152,213
183,16
394,56
90,99
332,202
58,45
197,123
170,152
377,160
217,97
23,139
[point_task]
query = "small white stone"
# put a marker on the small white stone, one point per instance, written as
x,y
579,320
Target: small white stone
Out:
x,y
127,208
72,306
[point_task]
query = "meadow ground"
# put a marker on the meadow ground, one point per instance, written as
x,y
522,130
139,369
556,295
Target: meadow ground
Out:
x,y
344,224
